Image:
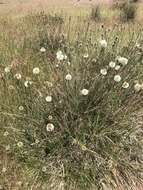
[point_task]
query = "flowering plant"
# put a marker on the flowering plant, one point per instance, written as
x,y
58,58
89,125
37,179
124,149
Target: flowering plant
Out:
x,y
71,118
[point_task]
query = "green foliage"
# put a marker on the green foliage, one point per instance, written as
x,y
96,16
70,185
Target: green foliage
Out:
x,y
95,144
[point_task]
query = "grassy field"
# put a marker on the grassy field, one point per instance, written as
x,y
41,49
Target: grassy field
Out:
x,y
71,97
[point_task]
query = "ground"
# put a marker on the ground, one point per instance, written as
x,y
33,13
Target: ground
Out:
x,y
21,6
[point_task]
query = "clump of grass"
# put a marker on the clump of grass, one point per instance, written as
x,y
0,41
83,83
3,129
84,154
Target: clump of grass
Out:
x,y
96,13
128,11
42,18
69,117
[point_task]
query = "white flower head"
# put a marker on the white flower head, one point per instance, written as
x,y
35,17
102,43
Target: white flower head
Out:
x,y
112,64
20,144
7,148
65,57
37,141
103,71
27,83
60,56
21,108
117,67
103,43
19,183
69,63
84,92
44,169
137,45
137,87
122,60
125,85
50,127
49,84
4,170
7,69
50,117
86,55
117,78
36,71
18,76
6,133
43,50
49,99
68,77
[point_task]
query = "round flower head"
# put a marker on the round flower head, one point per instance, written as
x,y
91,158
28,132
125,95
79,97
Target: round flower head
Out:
x,y
19,183
20,144
49,99
84,92
36,71
61,56
137,45
4,170
86,55
65,57
49,84
7,69
103,71
37,141
117,78
103,43
137,87
18,76
7,148
50,127
50,117
69,63
11,87
83,148
57,65
117,67
27,83
125,85
44,169
112,64
43,49
68,77
21,108
122,60
6,133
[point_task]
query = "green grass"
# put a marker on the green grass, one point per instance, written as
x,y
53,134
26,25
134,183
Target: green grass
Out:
x,y
95,143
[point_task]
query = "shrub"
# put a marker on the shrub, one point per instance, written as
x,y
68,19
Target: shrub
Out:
x,y
128,11
70,118
135,1
96,13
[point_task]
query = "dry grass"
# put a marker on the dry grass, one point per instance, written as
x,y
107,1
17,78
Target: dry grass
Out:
x,y
24,6
15,178
18,8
